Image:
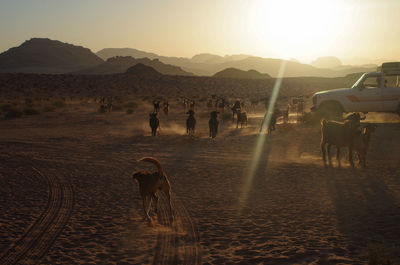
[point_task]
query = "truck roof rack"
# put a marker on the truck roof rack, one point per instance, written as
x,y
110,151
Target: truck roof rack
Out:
x,y
389,67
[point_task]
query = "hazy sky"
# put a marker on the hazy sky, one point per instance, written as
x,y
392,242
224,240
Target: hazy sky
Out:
x,y
297,29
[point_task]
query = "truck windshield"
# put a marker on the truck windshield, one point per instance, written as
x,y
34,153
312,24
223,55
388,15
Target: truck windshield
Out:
x,y
359,81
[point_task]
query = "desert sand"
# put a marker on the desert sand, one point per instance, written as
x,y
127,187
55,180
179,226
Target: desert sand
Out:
x,y
67,196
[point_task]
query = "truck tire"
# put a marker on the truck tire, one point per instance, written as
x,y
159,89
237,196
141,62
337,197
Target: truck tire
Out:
x,y
331,110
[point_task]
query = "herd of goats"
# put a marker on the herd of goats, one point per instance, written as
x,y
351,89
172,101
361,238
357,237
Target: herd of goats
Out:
x,y
213,123
347,134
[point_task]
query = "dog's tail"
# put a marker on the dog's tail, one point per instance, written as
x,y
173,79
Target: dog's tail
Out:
x,y
155,162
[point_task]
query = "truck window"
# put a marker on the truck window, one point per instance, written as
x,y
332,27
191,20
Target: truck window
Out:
x,y
392,80
371,82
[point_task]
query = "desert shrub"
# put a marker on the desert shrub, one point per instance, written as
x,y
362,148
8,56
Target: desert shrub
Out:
x,y
203,115
13,113
30,111
311,118
129,111
49,108
5,107
380,255
117,107
102,109
29,102
226,116
59,104
147,98
131,105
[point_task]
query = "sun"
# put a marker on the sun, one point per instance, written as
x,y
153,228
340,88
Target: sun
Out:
x,y
296,28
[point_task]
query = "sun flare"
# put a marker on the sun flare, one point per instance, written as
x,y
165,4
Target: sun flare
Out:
x,y
296,28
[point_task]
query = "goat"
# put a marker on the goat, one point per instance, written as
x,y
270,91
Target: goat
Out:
x,y
192,104
213,124
241,118
361,143
236,107
209,104
338,134
355,119
154,123
253,104
156,104
190,123
166,107
272,121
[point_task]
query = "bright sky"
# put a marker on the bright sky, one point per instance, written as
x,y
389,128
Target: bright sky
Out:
x,y
306,29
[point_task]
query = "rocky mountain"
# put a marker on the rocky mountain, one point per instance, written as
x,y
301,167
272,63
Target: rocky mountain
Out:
x,y
39,55
240,74
209,64
49,56
113,52
120,64
142,70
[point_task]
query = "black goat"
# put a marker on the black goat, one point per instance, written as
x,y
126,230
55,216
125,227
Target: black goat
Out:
x,y
190,123
154,123
213,124
241,118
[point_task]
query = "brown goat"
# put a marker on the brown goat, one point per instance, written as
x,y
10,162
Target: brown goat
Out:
x,y
241,118
361,143
338,134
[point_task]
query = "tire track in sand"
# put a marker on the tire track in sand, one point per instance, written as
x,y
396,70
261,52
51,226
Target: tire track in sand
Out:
x,y
177,240
40,236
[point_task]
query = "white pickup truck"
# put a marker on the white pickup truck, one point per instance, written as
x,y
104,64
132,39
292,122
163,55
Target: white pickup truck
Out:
x,y
372,92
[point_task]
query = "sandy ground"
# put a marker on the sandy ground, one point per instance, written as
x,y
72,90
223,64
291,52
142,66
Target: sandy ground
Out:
x,y
67,196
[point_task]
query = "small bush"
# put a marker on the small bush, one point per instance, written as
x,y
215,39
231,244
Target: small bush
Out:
x,y
31,111
130,105
13,113
117,107
49,108
5,107
102,109
380,255
59,104
29,102
129,111
311,118
226,116
147,98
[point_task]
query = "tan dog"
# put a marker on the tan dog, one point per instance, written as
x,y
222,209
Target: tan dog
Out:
x,y
150,184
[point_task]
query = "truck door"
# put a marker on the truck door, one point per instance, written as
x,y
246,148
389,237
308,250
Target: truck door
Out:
x,y
391,92
367,96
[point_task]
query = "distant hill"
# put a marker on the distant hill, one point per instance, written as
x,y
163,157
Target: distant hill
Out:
x,y
46,56
120,64
113,52
236,73
208,64
292,69
142,70
327,62
208,58
49,56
